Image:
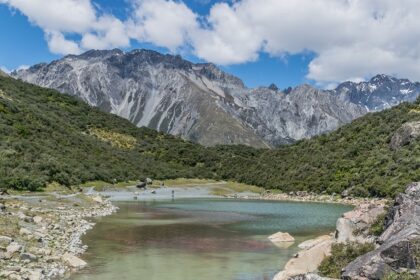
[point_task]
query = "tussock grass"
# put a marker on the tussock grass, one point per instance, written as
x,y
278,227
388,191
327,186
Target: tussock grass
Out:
x,y
116,139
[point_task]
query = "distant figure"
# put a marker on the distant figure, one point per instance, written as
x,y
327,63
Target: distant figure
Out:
x,y
142,185
162,184
173,193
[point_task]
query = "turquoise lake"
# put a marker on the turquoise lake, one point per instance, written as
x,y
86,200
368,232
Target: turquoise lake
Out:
x,y
201,238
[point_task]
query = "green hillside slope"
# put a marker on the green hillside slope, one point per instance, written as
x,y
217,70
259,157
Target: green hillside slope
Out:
x,y
46,136
357,157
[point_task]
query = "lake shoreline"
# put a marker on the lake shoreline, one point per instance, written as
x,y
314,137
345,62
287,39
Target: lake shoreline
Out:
x,y
45,232
61,258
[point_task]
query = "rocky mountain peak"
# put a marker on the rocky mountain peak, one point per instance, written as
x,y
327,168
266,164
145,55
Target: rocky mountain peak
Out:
x,y
273,87
203,103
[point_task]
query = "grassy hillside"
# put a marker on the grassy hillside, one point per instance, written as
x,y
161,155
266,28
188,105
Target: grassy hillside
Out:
x,y
46,136
356,156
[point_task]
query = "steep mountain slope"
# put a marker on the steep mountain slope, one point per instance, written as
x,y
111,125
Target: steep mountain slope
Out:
x,y
202,103
46,136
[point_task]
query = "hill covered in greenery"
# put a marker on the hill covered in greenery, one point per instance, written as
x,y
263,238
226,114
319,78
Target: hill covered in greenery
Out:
x,y
49,137
357,157
46,136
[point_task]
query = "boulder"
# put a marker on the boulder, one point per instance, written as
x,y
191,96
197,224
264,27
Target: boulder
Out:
x,y
5,240
353,226
312,242
306,261
28,256
38,219
73,261
24,231
98,199
399,243
35,275
405,134
13,248
281,237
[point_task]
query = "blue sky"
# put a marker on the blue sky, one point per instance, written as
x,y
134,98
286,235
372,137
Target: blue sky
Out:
x,y
322,42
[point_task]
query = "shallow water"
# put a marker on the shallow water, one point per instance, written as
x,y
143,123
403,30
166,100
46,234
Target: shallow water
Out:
x,y
201,239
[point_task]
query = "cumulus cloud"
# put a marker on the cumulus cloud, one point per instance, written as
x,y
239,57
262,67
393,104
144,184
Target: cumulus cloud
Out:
x,y
351,39
61,18
165,23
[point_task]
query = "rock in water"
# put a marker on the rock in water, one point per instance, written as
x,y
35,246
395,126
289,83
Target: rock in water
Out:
x,y
400,242
281,237
73,261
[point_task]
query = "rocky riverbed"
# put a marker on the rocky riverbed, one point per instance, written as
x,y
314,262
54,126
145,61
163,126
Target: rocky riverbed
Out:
x,y
40,237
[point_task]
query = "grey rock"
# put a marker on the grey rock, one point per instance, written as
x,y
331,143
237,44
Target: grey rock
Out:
x,y
28,256
5,240
405,135
308,276
399,243
14,247
204,104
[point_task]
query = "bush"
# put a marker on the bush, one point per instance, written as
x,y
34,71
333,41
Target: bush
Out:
x,y
341,256
378,226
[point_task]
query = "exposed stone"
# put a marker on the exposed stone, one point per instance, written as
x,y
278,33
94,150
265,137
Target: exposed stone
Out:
x,y
28,256
38,219
353,226
307,260
312,242
400,242
309,276
405,134
98,199
35,275
281,237
5,240
13,248
24,231
73,261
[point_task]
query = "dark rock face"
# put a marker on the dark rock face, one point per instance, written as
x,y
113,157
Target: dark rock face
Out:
x,y
404,135
399,244
202,103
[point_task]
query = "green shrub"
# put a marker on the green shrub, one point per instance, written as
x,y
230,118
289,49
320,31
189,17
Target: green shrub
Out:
x,y
341,256
378,226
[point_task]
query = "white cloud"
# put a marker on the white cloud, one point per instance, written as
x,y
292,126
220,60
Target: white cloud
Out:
x,y
351,39
164,23
60,45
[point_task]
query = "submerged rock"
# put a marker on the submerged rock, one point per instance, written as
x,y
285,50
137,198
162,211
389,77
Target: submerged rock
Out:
x,y
281,237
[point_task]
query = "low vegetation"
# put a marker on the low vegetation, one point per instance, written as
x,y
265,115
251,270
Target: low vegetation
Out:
x,y
378,226
341,256
49,137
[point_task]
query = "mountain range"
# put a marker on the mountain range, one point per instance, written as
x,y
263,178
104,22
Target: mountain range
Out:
x,y
202,103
